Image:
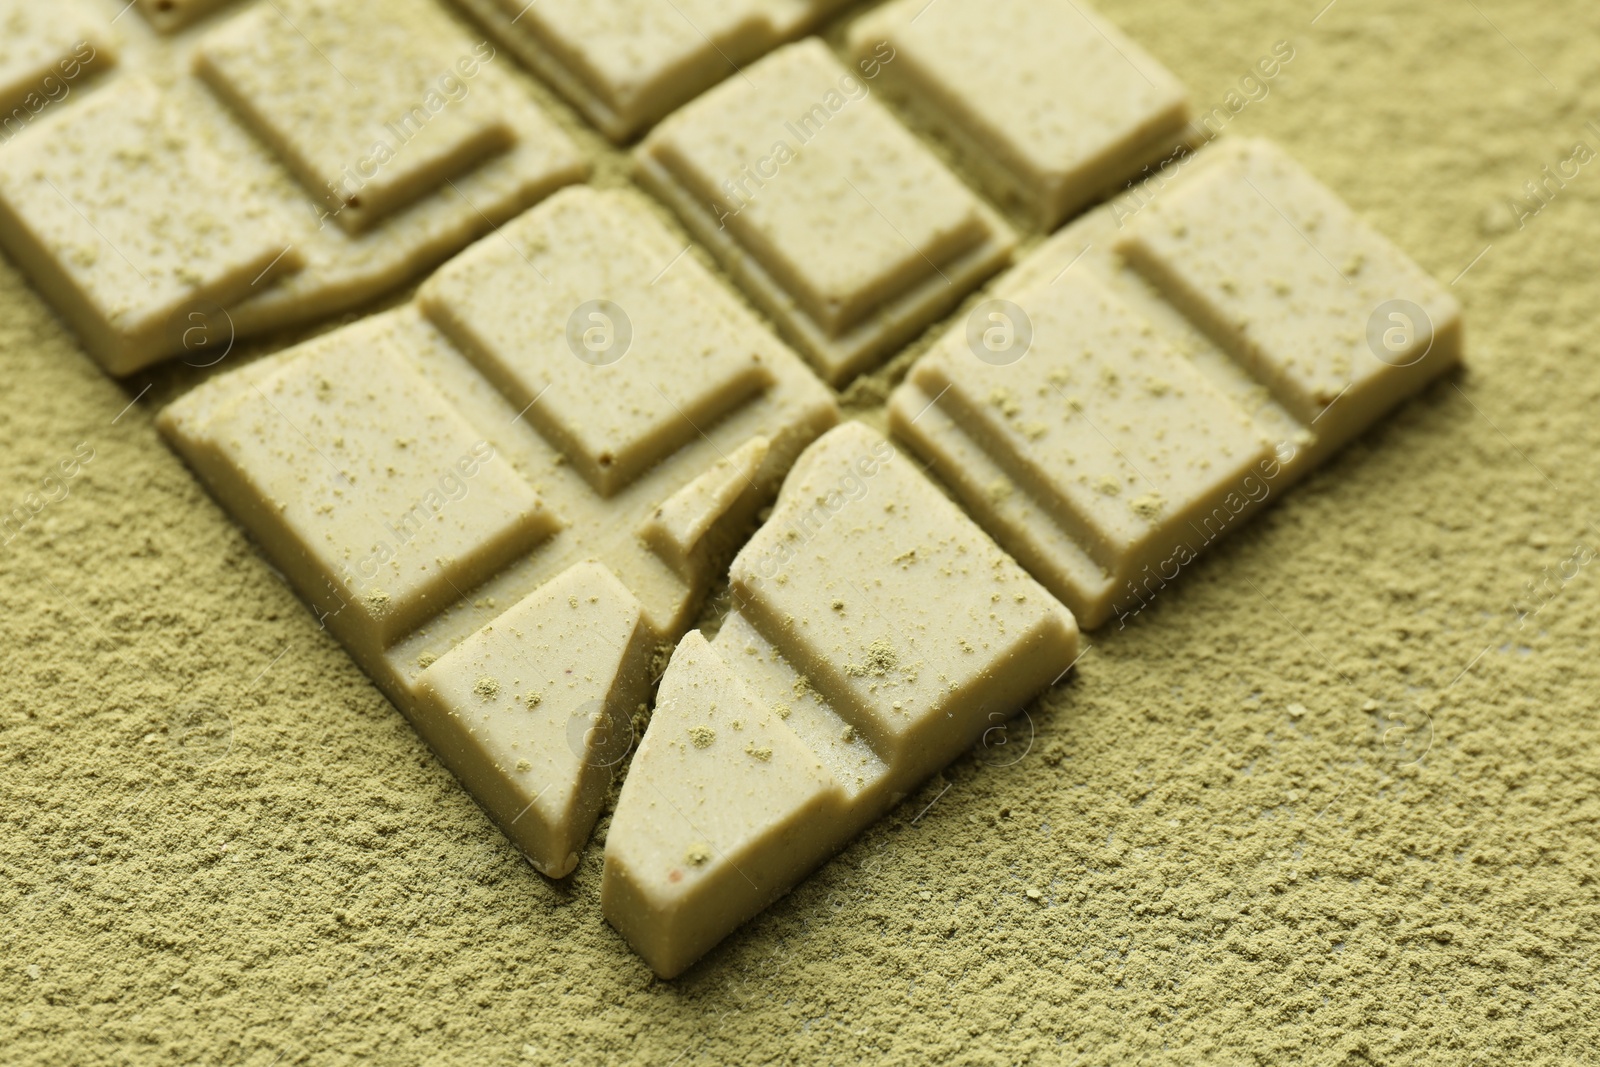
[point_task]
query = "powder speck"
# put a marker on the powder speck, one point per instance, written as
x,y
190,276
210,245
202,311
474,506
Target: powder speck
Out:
x,y
880,660
1148,507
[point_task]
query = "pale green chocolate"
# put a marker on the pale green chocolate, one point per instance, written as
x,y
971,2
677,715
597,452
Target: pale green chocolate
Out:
x,y
535,710
1045,102
845,228
878,633
125,249
1162,397
630,378
428,137
170,16
348,101
627,63
44,49
1285,277
505,601
1091,457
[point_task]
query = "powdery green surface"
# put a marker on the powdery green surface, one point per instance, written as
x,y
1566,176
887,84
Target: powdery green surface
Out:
x,y
221,844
